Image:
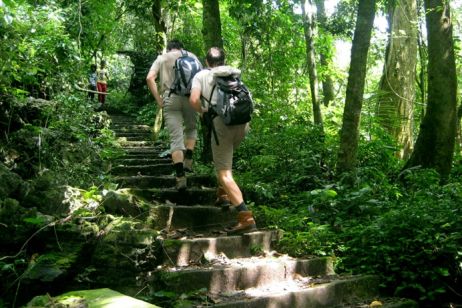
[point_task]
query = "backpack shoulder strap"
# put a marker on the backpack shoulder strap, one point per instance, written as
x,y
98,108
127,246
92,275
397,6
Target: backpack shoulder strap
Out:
x,y
184,53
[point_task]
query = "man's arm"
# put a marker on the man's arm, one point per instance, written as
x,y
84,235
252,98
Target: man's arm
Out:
x,y
195,99
152,85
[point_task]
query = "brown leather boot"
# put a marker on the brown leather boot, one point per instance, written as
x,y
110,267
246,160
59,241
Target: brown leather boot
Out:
x,y
245,223
222,198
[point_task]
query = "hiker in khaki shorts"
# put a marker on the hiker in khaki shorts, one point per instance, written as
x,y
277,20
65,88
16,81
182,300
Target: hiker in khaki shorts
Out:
x,y
177,111
229,137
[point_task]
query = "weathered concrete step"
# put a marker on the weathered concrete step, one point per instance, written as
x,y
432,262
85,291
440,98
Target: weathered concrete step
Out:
x,y
123,133
194,218
127,131
158,169
136,143
142,161
163,181
154,151
135,137
230,275
141,156
122,202
125,127
303,294
191,196
192,251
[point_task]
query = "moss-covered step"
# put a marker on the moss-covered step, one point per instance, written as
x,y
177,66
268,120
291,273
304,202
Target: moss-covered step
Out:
x,y
186,252
190,217
124,142
163,181
127,126
191,196
98,298
157,169
151,151
142,161
140,135
228,275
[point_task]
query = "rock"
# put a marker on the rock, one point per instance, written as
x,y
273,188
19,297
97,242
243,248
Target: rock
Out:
x,y
89,298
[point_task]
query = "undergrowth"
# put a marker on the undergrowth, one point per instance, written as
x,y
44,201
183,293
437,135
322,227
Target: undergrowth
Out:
x,y
402,226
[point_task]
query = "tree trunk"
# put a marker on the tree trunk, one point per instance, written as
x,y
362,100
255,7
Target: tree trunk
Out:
x,y
349,133
141,64
211,31
211,24
311,62
327,84
159,25
397,85
434,147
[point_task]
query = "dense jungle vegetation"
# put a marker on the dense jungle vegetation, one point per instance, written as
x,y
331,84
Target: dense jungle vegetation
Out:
x,y
355,146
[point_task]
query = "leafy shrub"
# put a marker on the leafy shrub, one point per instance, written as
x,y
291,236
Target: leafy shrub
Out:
x,y
415,245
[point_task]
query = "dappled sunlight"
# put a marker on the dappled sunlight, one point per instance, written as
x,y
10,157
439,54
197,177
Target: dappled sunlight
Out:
x,y
121,301
101,298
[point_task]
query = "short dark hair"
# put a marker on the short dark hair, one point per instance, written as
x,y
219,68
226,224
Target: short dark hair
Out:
x,y
215,56
174,44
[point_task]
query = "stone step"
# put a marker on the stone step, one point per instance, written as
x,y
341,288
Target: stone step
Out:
x,y
147,135
125,127
169,217
124,132
154,151
135,137
229,275
191,196
185,252
194,218
140,154
135,143
302,293
142,161
157,169
163,181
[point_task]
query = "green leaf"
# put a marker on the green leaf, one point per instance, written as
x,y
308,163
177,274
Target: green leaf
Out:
x,y
37,220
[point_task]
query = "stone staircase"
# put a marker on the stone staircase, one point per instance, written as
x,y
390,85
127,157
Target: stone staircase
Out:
x,y
195,257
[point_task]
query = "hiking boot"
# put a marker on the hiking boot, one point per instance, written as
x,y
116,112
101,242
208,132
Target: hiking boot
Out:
x,y
187,165
222,198
245,223
181,183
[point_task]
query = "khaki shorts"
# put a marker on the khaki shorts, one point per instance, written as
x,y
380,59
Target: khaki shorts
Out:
x,y
229,138
178,112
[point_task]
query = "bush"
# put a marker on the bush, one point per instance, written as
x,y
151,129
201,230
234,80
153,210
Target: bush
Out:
x,y
416,245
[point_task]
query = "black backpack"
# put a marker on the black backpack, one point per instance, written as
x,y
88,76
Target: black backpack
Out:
x,y
185,69
234,101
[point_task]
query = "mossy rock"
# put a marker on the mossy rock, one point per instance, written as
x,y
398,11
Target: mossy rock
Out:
x,y
97,298
122,202
11,184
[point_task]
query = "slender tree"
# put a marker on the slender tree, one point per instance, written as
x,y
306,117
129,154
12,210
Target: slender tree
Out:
x,y
211,24
159,24
397,85
327,84
434,147
355,88
211,32
308,25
